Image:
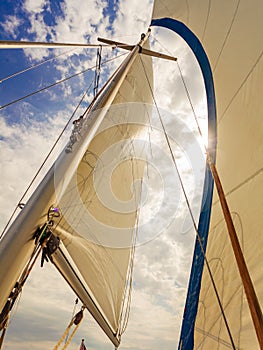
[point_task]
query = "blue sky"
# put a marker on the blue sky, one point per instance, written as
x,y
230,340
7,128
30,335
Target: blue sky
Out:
x,y
29,128
17,23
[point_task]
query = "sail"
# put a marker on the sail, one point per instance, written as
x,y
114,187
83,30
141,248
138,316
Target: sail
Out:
x,y
227,40
96,226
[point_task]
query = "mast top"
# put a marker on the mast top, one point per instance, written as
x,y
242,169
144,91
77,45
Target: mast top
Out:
x,y
141,50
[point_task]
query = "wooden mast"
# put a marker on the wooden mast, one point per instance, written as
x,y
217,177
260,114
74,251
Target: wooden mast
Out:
x,y
252,299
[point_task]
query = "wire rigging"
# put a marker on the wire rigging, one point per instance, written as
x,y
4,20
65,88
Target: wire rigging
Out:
x,y
35,65
56,83
45,160
20,202
97,71
189,208
252,299
16,293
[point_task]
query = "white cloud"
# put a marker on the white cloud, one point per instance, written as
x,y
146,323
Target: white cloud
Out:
x,y
162,265
35,6
11,25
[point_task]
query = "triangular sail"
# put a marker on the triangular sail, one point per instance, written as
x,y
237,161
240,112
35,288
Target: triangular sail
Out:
x,y
232,40
96,231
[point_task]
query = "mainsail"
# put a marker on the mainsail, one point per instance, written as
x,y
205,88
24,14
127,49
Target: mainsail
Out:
x,y
231,38
93,234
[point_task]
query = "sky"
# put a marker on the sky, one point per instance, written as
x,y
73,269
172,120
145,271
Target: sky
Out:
x,y
29,128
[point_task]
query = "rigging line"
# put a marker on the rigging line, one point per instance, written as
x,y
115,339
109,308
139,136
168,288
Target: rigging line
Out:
x,y
130,277
193,110
45,160
17,291
56,83
97,71
239,289
191,214
213,337
128,288
35,65
72,334
165,48
20,201
73,313
251,296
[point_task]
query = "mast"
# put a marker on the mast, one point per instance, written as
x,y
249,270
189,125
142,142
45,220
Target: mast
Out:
x,y
17,245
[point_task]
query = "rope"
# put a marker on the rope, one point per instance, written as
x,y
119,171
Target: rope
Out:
x,y
73,313
16,291
63,337
192,108
97,71
187,94
77,319
125,318
189,208
71,336
4,332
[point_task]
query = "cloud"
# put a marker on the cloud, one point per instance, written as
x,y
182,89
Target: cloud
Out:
x,y
11,25
24,145
37,6
162,265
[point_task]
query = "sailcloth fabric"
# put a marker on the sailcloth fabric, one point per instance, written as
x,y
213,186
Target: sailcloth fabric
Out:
x,y
230,35
95,187
99,205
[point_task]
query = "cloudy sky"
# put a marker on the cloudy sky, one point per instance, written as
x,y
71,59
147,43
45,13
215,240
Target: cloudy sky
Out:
x,y
29,128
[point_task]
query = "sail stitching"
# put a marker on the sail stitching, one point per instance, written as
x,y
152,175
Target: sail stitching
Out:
x,y
243,183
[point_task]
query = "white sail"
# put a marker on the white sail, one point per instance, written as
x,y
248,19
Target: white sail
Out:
x,y
232,39
96,239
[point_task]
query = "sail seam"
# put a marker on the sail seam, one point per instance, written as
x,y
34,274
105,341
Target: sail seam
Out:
x,y
241,184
